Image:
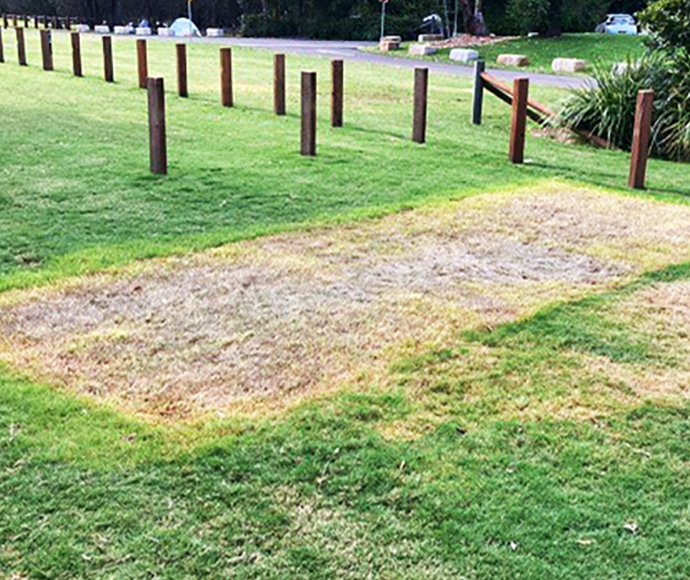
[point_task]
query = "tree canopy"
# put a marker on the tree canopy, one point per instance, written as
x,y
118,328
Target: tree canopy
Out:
x,y
342,19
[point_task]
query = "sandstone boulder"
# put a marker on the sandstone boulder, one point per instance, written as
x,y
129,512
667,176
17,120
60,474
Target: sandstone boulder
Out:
x,y
568,65
430,38
512,60
389,43
465,55
422,49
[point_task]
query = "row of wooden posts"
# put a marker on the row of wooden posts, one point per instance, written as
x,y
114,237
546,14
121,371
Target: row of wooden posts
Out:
x,y
518,97
157,101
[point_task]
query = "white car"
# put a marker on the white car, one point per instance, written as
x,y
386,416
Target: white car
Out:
x,y
618,24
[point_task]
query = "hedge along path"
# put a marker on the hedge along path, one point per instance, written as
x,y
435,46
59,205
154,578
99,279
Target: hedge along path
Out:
x,y
263,324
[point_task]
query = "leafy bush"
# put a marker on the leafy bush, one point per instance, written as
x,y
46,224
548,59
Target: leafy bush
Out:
x,y
527,15
607,108
669,24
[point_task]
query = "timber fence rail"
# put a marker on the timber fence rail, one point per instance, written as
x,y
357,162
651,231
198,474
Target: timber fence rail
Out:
x,y
536,111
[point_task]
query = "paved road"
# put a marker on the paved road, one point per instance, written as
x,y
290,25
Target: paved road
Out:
x,y
350,50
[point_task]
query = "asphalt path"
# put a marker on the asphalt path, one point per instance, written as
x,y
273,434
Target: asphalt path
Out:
x,y
352,50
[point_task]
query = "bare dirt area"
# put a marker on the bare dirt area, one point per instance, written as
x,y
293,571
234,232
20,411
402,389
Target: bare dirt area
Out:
x,y
292,315
464,40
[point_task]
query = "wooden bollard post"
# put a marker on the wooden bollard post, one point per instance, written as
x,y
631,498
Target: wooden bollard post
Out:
x,y
421,84
4,21
226,96
478,95
142,63
641,135
279,84
2,48
21,47
309,113
182,70
26,21
157,144
45,22
15,21
36,21
519,120
55,23
108,69
68,23
47,50
338,86
76,54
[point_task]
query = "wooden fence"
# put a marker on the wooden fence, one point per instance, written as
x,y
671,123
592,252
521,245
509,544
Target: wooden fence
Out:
x,y
518,97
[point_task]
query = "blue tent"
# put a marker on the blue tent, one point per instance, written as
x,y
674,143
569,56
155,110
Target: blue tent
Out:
x,y
184,27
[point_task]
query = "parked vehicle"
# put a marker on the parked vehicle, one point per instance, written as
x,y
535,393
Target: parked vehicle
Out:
x,y
618,24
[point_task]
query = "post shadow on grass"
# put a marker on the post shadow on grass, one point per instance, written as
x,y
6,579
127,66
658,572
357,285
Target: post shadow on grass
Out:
x,y
599,178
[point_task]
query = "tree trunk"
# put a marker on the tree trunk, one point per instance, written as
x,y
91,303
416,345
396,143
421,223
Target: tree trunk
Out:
x,y
473,19
553,26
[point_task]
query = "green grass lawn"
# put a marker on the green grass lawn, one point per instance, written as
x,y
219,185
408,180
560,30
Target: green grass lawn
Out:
x,y
318,492
597,49
77,193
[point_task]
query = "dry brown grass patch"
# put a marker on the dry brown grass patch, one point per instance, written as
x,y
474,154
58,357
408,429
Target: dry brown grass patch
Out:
x,y
661,315
270,321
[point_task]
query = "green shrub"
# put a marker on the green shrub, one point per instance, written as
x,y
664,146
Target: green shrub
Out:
x,y
668,21
527,15
607,108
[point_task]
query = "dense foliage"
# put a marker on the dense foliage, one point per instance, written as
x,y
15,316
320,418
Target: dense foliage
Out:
x,y
343,19
334,18
608,109
669,24
551,17
306,18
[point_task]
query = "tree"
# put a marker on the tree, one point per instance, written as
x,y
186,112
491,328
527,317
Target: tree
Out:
x,y
473,18
551,17
668,22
